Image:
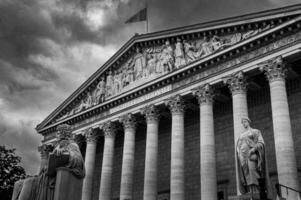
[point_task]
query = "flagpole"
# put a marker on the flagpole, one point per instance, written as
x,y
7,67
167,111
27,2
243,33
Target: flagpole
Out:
x,y
146,16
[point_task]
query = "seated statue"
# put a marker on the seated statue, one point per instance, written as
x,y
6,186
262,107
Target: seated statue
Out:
x,y
42,186
251,158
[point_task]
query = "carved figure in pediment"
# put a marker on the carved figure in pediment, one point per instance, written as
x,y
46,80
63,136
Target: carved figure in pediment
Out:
x,y
109,84
190,52
249,34
99,92
206,47
117,82
86,102
179,54
139,64
167,57
151,63
216,43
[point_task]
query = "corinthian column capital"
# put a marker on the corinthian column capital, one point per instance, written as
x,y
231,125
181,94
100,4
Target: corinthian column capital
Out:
x,y
176,104
236,83
91,135
109,128
204,94
274,69
151,113
128,121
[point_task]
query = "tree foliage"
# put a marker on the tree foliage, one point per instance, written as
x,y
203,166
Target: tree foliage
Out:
x,y
10,171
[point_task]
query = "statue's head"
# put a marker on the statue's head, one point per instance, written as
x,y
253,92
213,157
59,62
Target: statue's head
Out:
x,y
245,121
63,132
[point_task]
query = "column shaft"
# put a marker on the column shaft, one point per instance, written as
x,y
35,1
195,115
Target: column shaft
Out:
x,y
151,154
177,185
107,163
127,175
275,71
207,143
237,86
177,176
284,144
89,166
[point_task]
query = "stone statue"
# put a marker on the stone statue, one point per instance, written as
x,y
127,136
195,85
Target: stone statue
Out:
x,y
109,84
207,47
251,158
189,51
167,59
139,64
151,63
99,94
179,54
42,186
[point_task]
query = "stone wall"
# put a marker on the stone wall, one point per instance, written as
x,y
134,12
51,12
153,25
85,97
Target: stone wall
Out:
x,y
261,116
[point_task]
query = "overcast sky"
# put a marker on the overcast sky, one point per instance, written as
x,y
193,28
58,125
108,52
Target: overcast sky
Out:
x,y
49,47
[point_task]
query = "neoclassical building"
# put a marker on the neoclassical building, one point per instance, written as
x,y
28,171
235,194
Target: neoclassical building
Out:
x,y
160,119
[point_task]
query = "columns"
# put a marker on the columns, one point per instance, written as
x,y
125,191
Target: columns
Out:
x,y
177,176
91,139
237,85
151,153
284,145
127,175
44,150
207,146
109,130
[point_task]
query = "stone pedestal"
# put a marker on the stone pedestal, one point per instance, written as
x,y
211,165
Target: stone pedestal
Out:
x,y
177,176
254,196
151,153
67,186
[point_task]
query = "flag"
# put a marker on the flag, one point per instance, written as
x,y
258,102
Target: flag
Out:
x,y
138,17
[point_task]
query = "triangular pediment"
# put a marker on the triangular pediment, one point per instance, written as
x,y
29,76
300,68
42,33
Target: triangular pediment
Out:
x,y
145,58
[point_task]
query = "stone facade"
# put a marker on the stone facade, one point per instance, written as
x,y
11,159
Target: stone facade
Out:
x,y
173,136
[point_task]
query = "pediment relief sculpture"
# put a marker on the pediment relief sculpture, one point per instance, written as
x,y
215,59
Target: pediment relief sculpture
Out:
x,y
152,62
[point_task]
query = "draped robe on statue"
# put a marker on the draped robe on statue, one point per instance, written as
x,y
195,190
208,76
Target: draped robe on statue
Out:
x,y
42,186
251,166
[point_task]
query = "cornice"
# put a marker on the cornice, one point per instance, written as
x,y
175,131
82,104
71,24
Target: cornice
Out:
x,y
191,68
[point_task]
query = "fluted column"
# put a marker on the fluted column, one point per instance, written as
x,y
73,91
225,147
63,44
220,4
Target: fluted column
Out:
x,y
275,72
109,130
91,140
44,150
207,143
237,85
151,153
127,174
177,176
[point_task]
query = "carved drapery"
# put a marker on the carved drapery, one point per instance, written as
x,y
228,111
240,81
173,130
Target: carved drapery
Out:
x,y
204,94
176,104
274,69
236,82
